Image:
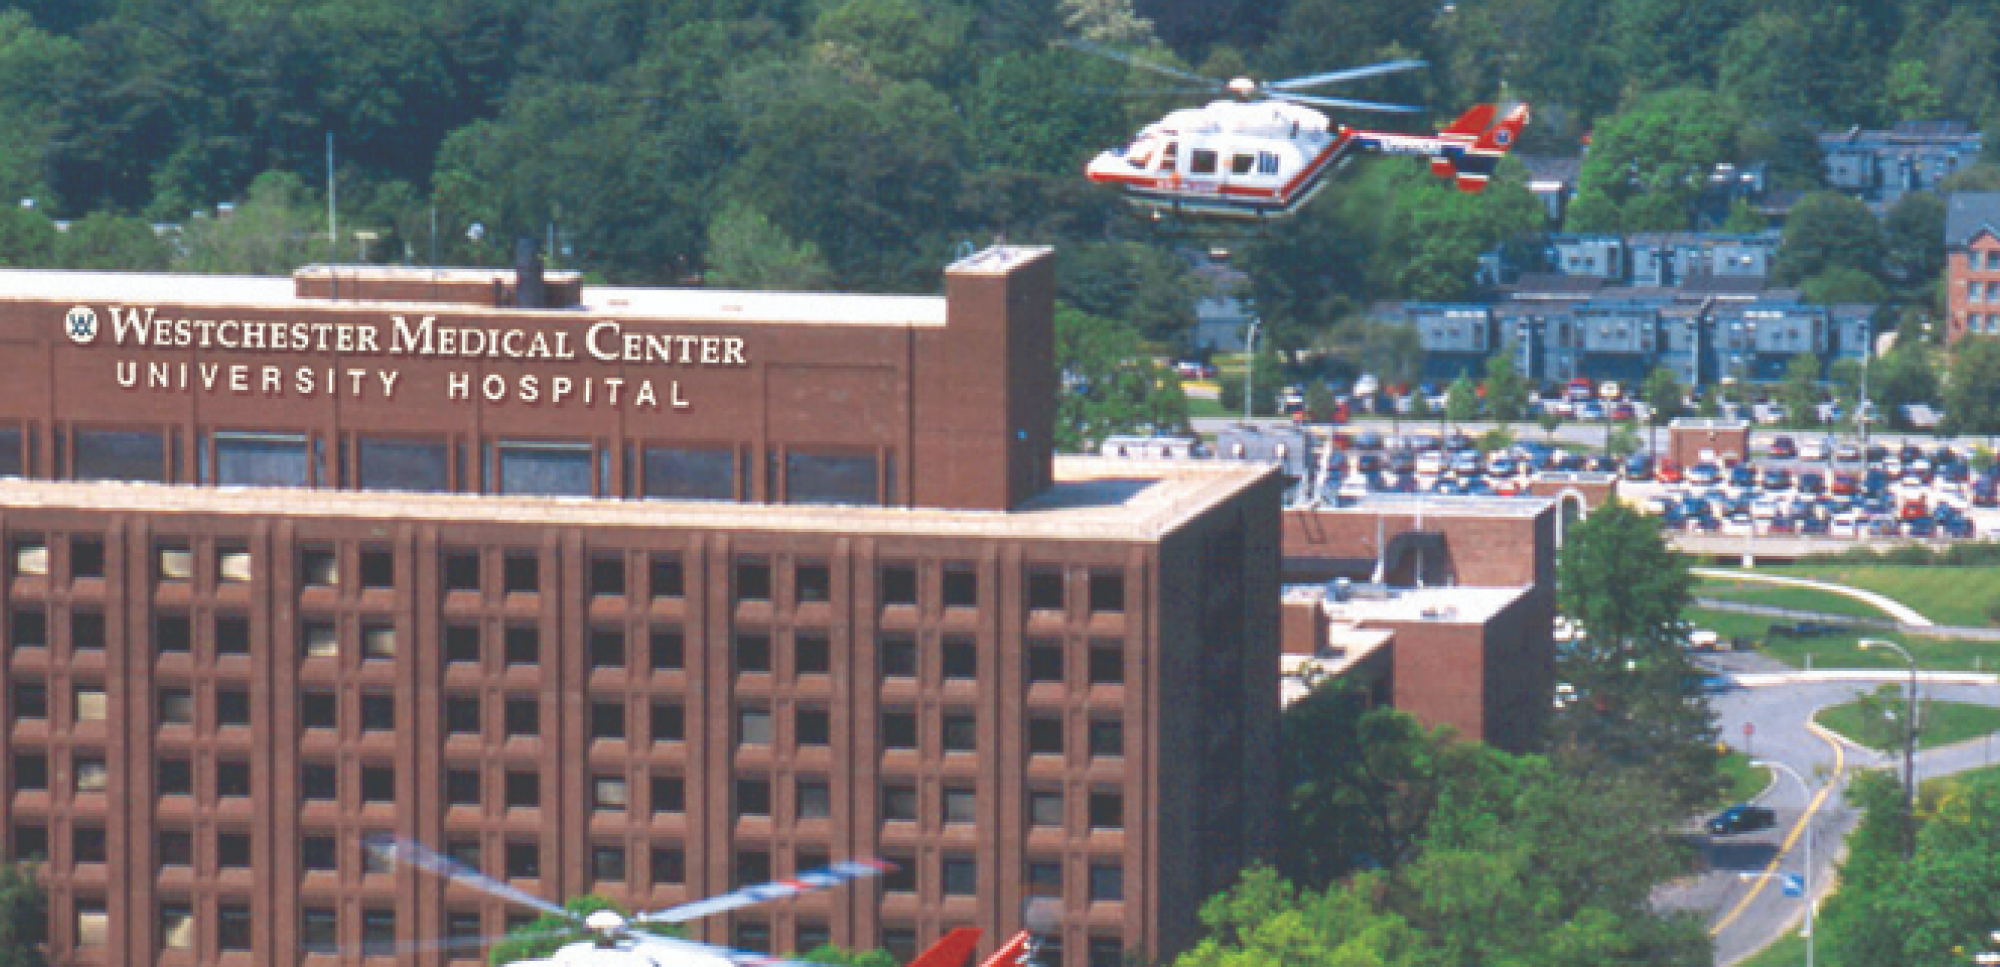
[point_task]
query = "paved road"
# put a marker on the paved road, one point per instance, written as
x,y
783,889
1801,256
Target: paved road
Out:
x,y
1745,907
1890,606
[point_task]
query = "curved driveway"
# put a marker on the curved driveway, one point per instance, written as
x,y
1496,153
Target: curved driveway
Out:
x,y
1889,606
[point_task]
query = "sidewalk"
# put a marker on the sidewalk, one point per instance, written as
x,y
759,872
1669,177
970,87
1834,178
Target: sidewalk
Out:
x,y
1903,614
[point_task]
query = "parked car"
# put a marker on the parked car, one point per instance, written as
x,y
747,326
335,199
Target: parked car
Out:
x,y
1703,475
1776,478
1783,448
1638,467
1668,472
1812,482
1742,818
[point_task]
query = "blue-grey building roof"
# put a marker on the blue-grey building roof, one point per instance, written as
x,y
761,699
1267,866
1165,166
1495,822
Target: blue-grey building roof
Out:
x,y
1967,212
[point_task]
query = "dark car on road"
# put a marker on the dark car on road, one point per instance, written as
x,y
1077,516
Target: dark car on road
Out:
x,y
1742,818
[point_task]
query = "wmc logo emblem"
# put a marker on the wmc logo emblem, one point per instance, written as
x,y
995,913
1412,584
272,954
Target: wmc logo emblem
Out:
x,y
81,324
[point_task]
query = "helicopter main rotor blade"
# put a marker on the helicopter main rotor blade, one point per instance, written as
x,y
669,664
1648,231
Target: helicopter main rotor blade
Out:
x,y
821,879
423,857
1208,83
1344,102
1350,74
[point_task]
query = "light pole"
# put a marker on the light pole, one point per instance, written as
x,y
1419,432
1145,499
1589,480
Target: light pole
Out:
x,y
1909,744
1249,367
1806,788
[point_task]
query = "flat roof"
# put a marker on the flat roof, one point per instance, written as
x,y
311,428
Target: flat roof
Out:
x,y
1442,505
1093,499
278,293
1455,605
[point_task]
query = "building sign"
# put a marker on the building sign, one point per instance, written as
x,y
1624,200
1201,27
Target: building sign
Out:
x,y
399,336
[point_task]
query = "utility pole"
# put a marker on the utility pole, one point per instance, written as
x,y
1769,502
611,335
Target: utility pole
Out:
x,y
1250,367
332,211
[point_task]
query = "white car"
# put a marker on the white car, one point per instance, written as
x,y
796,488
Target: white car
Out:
x,y
1354,487
1738,526
1844,525
1430,463
1812,448
1367,385
1763,508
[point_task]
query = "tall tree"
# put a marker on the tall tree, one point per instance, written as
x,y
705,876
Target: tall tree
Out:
x,y
1905,374
1662,394
1665,145
1827,230
1800,392
1506,389
24,917
1111,384
1913,238
1638,706
1972,388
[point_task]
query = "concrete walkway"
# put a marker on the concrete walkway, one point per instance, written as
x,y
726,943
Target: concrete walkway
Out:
x,y
1889,606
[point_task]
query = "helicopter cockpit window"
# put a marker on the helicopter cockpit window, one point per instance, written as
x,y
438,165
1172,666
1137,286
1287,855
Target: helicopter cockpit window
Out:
x,y
1141,156
1267,163
1241,164
1168,155
1201,162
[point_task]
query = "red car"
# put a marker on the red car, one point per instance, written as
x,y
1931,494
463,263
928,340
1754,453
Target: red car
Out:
x,y
1845,485
1667,472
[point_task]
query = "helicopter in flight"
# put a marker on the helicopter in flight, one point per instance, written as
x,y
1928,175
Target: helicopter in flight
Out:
x,y
615,940
1263,152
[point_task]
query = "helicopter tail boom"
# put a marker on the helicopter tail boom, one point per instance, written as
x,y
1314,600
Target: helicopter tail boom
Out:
x,y
1471,166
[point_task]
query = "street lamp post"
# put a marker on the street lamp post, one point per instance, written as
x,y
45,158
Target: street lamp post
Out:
x,y
1806,788
1249,367
1909,744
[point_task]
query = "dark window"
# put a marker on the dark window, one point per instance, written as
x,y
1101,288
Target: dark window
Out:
x,y
524,645
87,844
812,653
1107,882
86,557
1107,663
318,568
11,463
1107,592
232,850
812,936
378,712
524,860
1045,590
31,700
899,803
961,732
1044,878
86,631
663,576
233,927
1240,164
545,469
232,706
607,863
465,852
118,455
524,790
669,722
30,627
607,720
669,794
232,634
319,930
318,710
1045,662
461,644
262,460
378,569
413,465
521,574
961,658
30,842
961,876
31,771
899,730
462,929
753,797
461,571
607,648
1201,161
232,779
901,942
753,652
815,799
1045,735
523,717
689,473
175,777
813,726
1106,952
318,639
461,715
753,866
317,781
92,775
815,478
901,877
961,805
668,650
814,583
1107,810
669,865
1107,738
378,933
961,587
176,848
461,787
753,580
607,576
753,936
899,656
173,634
899,584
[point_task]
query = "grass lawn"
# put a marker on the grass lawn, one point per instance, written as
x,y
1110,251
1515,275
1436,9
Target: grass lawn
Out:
x,y
1779,596
1946,595
1840,649
1789,950
1206,406
1742,781
1864,720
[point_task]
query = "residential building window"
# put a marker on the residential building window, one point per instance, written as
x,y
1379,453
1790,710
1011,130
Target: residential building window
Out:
x,y
960,658
318,709
461,571
521,573
961,732
87,844
1107,882
753,579
667,650
688,473
961,805
232,634
544,469
175,777
318,639
232,779
175,847
378,784
1107,663
31,701
461,787
378,712
663,576
607,721
812,653
753,652
815,799
961,586
669,865
418,466
753,797
523,717
607,863
899,585
1045,878
899,803
232,851
524,860
234,929
813,583
461,715
173,634
1045,662
669,794
812,727
1107,592
461,645
753,726
138,457
1045,589
523,645
609,794
669,722
1045,808
378,933
607,575
899,730
1107,810
898,653
960,876
378,570
1107,737
524,790
31,771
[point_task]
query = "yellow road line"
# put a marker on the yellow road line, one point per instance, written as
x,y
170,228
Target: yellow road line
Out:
x,y
1839,766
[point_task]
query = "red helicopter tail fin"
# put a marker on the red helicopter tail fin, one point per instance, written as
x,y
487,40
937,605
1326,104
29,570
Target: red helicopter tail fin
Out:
x,y
1011,955
1473,167
954,949
1469,125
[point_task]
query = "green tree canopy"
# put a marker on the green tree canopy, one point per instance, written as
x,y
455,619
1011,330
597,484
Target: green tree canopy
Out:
x,y
1506,389
1109,383
1827,230
1972,388
24,917
1800,393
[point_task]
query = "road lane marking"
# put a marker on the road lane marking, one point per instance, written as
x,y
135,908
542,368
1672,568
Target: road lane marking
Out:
x,y
1839,766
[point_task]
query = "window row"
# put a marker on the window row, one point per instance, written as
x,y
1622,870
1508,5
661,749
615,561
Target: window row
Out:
x,y
174,705
173,848
175,926
89,773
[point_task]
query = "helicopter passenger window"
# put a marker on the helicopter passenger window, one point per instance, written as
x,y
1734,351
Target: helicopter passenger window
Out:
x,y
1241,164
1201,162
1267,163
